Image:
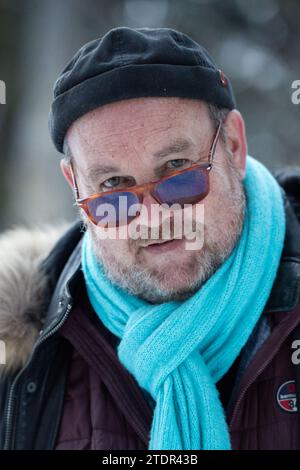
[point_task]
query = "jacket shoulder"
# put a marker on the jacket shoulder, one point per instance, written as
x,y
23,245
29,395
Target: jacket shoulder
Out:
x,y
289,179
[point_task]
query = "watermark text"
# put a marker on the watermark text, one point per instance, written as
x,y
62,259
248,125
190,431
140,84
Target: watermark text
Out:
x,y
2,92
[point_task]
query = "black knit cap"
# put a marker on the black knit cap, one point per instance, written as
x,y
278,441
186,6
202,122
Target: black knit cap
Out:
x,y
133,63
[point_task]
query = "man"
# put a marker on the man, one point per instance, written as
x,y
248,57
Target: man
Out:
x,y
145,330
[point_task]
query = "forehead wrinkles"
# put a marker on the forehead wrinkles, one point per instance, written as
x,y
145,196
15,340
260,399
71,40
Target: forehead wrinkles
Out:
x,y
124,115
136,138
106,133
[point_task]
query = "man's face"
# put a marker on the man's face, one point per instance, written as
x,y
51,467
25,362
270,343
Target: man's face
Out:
x,y
119,145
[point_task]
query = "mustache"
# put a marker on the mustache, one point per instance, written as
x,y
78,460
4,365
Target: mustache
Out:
x,y
163,233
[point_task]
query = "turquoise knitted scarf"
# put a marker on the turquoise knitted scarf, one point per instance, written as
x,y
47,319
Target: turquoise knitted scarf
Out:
x,y
178,351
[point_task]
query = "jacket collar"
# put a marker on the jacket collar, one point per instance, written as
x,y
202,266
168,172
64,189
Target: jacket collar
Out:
x,y
64,293
285,293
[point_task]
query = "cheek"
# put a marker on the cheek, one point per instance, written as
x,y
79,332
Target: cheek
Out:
x,y
216,206
218,183
120,249
220,187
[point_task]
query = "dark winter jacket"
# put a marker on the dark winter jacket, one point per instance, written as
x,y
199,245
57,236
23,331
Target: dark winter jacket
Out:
x,y
63,387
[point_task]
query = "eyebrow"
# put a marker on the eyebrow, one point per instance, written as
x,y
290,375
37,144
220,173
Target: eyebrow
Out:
x,y
93,173
178,146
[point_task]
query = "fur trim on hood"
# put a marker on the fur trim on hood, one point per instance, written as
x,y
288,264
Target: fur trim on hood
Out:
x,y
23,289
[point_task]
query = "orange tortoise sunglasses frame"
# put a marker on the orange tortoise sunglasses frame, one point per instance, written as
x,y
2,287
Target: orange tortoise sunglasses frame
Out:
x,y
138,190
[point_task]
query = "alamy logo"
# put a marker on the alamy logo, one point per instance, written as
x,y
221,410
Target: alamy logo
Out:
x,y
2,92
296,93
2,352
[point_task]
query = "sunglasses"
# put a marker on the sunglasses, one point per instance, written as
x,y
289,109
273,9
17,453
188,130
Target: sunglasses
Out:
x,y
187,186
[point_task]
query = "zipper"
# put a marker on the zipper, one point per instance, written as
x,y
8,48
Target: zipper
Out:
x,y
9,417
254,377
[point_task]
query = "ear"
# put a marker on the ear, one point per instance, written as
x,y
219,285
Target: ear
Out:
x,y
65,168
236,139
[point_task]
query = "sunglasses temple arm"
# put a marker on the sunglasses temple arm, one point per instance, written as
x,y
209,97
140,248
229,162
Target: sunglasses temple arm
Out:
x,y
75,187
214,144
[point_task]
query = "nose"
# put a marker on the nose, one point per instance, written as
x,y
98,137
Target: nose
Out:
x,y
149,209
154,220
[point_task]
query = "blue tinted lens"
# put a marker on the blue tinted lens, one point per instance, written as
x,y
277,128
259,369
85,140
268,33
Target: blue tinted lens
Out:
x,y
185,188
114,209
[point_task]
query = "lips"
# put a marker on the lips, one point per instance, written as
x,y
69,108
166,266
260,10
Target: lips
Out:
x,y
162,247
158,243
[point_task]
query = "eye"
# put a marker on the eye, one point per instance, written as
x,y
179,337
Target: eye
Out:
x,y
176,163
112,182
116,181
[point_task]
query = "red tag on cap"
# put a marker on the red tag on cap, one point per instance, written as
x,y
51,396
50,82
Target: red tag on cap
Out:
x,y
223,78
